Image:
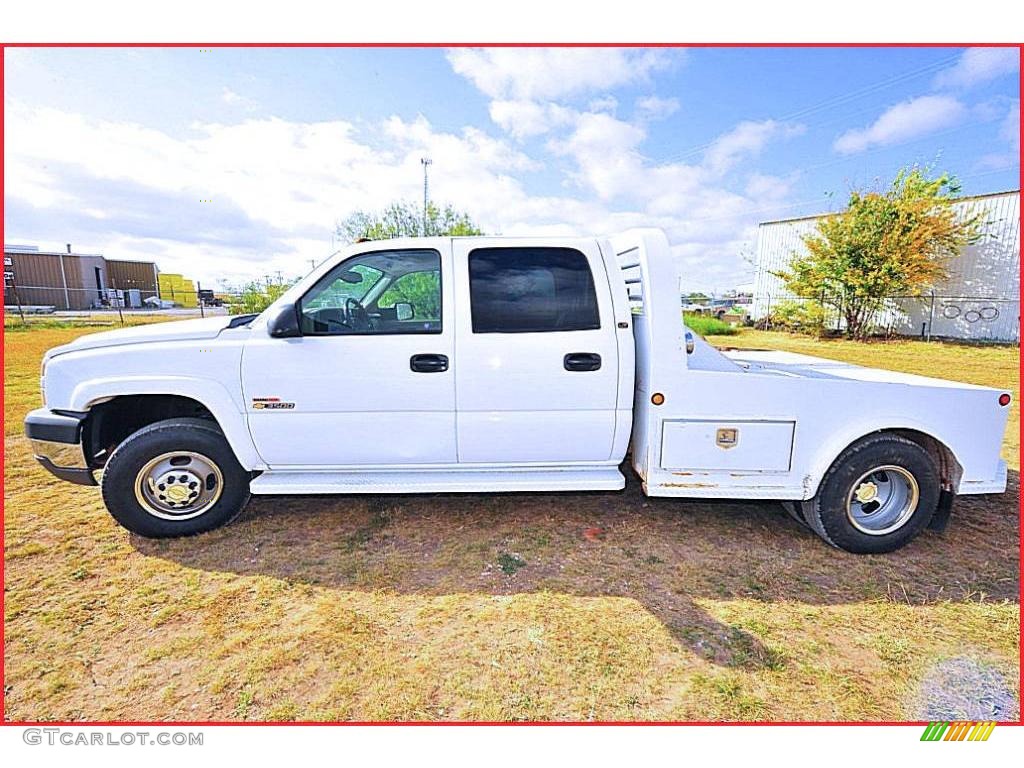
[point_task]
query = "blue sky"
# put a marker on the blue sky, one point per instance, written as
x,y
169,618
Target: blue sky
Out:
x,y
228,164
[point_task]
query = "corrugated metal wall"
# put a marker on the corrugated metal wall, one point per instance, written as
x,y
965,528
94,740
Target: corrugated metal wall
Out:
x,y
980,300
39,279
132,274
34,269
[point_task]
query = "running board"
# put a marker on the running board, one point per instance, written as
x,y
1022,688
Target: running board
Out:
x,y
439,481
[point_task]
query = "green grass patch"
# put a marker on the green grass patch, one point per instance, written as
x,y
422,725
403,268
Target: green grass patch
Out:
x,y
509,564
423,606
704,325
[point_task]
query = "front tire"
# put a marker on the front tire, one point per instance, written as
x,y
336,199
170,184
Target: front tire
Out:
x,y
876,497
177,477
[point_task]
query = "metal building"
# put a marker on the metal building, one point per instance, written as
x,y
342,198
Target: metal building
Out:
x,y
67,280
979,301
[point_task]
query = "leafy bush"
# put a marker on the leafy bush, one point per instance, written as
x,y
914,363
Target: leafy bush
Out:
x,y
799,317
897,242
705,325
256,296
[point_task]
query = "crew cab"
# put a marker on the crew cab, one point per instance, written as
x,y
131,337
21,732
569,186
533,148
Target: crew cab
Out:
x,y
501,364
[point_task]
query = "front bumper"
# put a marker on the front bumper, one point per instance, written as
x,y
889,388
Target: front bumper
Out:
x,y
57,444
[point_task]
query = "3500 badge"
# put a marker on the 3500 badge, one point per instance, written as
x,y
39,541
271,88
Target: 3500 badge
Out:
x,y
270,403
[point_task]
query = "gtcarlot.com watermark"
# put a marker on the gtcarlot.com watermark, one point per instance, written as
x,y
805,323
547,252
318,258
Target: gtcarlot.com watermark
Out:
x,y
84,738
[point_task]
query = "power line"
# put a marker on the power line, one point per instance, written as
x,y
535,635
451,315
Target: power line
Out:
x,y
827,104
836,161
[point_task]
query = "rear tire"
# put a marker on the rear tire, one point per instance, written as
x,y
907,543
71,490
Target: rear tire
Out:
x,y
876,497
795,510
177,477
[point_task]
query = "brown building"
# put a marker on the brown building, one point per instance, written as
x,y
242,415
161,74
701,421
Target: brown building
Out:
x,y
138,275
70,280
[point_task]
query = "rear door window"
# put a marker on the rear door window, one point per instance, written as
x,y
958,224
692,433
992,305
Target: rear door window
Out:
x,y
531,290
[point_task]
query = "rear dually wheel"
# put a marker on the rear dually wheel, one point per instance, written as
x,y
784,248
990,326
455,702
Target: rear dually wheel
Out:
x,y
876,497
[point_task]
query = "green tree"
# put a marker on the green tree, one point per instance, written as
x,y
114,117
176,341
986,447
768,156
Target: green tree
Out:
x,y
897,242
255,296
420,289
405,219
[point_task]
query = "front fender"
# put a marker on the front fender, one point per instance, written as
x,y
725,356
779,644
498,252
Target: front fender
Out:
x,y
212,394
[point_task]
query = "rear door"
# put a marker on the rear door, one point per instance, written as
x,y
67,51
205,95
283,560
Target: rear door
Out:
x,y
537,373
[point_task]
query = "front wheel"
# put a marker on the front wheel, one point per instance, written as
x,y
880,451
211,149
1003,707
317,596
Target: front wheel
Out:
x,y
878,495
176,477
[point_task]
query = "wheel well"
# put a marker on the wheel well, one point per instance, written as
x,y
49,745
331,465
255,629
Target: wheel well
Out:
x,y
110,422
949,468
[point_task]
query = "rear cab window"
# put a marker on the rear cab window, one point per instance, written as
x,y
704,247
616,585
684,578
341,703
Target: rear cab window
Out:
x,y
531,290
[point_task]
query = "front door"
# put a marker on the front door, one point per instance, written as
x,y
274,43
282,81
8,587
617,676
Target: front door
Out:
x,y
371,382
537,378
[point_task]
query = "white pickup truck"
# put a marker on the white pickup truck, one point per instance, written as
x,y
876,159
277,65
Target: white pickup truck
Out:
x,y
501,364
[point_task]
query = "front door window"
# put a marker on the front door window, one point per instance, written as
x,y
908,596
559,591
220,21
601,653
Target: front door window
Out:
x,y
385,292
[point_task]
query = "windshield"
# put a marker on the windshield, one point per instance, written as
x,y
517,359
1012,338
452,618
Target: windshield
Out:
x,y
353,282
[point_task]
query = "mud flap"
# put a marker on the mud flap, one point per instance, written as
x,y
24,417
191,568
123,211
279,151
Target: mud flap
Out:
x,y
940,519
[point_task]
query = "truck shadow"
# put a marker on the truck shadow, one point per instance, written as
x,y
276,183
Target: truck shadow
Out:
x,y
669,555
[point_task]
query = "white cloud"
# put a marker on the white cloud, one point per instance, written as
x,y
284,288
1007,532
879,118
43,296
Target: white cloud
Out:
x,y
766,188
1009,131
604,104
233,99
656,107
606,153
904,121
277,186
710,224
552,73
978,65
1008,155
523,118
745,140
529,92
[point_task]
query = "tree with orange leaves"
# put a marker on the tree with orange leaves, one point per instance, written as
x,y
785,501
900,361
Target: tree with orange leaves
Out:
x,y
898,242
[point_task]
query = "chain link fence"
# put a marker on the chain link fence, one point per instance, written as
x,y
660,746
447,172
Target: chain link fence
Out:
x,y
27,301
928,316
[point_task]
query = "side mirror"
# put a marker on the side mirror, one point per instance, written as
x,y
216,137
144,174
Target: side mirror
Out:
x,y
689,342
285,324
403,310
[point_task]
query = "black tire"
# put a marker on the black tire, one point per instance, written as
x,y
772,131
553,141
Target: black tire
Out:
x,y
196,436
794,510
827,513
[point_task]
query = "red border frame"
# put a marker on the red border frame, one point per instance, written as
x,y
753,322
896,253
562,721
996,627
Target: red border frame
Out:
x,y
419,723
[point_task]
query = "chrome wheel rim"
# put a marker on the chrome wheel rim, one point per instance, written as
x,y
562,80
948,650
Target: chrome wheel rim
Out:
x,y
882,500
178,485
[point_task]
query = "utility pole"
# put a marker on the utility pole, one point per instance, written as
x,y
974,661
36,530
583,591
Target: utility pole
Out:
x,y
426,161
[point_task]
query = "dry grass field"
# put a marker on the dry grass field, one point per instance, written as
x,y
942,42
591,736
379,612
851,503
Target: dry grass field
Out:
x,y
604,606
